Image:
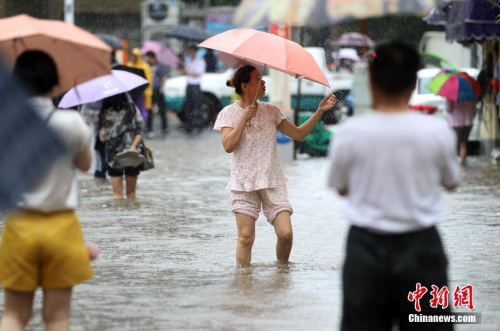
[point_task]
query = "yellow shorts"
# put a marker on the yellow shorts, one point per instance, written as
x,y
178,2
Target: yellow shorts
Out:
x,y
44,250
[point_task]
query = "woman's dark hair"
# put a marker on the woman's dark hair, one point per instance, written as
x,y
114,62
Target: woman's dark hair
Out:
x,y
242,75
394,67
118,102
37,71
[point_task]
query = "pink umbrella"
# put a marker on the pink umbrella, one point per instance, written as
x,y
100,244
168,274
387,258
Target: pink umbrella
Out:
x,y
99,88
355,39
78,54
163,54
265,49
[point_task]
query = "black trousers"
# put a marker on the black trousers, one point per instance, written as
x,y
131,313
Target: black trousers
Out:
x,y
379,273
159,100
192,108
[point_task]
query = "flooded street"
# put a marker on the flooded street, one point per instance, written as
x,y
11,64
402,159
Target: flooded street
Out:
x,y
167,260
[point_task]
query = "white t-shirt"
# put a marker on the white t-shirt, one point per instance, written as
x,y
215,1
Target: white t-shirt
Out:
x,y
56,189
393,166
198,66
256,164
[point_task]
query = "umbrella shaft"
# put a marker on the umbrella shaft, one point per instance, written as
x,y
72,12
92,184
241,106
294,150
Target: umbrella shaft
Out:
x,y
258,88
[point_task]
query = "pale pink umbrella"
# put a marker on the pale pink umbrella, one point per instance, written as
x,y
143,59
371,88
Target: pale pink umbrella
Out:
x,y
355,39
163,54
268,50
79,55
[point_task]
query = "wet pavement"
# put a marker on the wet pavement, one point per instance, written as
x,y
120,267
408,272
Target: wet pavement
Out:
x,y
167,259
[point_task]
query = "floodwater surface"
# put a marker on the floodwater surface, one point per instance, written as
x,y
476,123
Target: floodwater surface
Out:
x,y
167,259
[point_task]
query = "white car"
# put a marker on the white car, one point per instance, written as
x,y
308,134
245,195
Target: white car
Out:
x,y
216,94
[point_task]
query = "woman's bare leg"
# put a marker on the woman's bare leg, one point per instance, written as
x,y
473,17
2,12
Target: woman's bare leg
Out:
x,y
56,309
246,237
283,228
117,184
131,186
463,153
16,311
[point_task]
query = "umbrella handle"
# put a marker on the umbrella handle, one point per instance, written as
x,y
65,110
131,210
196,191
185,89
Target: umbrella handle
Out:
x,y
258,88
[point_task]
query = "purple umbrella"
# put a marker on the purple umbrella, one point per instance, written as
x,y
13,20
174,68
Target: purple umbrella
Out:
x,y
163,54
99,88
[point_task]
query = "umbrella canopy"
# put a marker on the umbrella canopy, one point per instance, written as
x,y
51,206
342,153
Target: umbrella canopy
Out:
x,y
163,54
437,60
188,33
354,39
252,13
112,40
117,82
340,9
436,17
455,85
471,20
298,13
265,49
78,54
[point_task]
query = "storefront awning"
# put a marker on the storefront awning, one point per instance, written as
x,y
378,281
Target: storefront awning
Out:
x,y
472,20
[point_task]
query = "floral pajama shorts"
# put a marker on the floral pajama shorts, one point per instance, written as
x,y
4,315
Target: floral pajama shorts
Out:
x,y
273,201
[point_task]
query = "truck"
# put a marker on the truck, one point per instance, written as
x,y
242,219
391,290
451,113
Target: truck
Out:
x,y
217,95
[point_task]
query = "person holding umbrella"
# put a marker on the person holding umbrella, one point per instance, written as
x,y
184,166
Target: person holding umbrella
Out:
x,y
121,127
248,132
461,92
159,73
460,117
42,242
194,69
145,102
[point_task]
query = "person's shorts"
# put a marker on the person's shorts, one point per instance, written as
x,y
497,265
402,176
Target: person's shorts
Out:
x,y
273,200
130,171
463,133
42,250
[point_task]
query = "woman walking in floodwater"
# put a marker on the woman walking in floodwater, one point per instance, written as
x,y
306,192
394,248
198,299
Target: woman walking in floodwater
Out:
x,y
249,132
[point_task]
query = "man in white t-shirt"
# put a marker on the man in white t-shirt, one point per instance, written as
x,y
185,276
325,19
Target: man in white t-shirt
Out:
x,y
194,69
390,165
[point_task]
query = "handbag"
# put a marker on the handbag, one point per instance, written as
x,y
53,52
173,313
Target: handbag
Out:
x,y
149,162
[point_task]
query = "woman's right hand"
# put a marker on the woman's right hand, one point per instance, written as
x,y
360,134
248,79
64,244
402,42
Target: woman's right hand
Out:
x,y
250,111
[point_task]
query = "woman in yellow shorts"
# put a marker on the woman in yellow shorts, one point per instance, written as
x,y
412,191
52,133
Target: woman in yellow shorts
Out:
x,y
42,242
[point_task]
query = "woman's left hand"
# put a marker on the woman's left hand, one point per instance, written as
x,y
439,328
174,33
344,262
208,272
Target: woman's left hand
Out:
x,y
327,103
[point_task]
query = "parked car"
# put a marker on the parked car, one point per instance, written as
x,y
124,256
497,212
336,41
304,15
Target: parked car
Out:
x,y
217,95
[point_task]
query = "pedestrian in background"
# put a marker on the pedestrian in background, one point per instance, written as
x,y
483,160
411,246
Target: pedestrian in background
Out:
x,y
390,165
121,128
145,102
256,174
461,117
194,68
159,74
42,242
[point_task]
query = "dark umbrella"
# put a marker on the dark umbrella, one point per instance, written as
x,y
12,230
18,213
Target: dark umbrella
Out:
x,y
188,33
111,40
